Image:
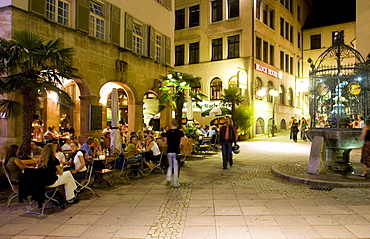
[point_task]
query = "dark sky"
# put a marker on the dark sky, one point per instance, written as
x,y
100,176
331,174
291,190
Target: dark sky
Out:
x,y
329,12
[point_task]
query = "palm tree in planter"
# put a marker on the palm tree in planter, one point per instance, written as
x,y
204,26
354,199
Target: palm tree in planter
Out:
x,y
29,68
173,92
233,96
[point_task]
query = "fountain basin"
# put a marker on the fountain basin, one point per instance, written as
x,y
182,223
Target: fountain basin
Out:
x,y
339,143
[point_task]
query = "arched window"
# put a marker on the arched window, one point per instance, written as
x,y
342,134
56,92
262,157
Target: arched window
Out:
x,y
260,92
233,82
196,88
270,86
282,94
216,89
290,97
283,124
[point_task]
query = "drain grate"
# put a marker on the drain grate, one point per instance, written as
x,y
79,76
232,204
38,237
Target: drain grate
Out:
x,y
321,188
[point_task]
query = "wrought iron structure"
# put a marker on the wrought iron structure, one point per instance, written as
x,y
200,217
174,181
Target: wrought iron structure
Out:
x,y
339,89
339,92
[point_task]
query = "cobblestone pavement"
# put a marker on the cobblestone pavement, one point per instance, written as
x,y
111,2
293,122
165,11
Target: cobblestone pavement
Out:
x,y
244,201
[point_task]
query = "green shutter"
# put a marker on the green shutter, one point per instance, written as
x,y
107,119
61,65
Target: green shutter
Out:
x,y
115,16
163,46
128,32
38,7
151,42
83,15
168,51
168,4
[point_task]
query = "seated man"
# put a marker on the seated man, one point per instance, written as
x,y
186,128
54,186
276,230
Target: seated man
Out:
x,y
35,150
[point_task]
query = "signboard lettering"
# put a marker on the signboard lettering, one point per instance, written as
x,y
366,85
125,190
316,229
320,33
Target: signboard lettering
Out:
x,y
266,70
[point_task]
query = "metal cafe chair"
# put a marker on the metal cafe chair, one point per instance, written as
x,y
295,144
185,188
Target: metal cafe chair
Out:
x,y
12,186
85,184
50,195
158,164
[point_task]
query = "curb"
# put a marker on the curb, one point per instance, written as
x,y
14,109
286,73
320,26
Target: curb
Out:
x,y
320,183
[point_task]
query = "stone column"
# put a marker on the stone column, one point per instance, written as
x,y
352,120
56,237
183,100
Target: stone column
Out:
x,y
135,116
85,132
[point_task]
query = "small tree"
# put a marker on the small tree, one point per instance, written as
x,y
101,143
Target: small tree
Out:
x,y
233,96
173,92
244,117
30,68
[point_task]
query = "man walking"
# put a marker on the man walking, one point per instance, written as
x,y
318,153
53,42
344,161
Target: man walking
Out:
x,y
173,141
226,139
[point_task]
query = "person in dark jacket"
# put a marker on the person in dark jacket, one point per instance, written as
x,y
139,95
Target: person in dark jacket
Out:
x,y
226,139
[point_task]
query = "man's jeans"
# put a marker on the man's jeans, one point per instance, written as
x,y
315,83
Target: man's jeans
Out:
x,y
173,163
136,159
226,152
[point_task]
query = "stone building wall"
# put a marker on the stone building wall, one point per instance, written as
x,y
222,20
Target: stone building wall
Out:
x,y
96,62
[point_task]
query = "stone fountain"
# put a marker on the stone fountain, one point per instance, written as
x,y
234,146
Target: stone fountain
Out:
x,y
339,92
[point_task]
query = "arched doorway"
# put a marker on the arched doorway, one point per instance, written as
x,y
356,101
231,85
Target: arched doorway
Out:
x,y
260,125
126,104
283,124
151,115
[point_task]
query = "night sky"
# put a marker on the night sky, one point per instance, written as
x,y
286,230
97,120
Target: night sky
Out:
x,y
329,12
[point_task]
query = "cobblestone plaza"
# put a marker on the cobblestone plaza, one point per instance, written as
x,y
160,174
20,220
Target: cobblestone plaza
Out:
x,y
244,201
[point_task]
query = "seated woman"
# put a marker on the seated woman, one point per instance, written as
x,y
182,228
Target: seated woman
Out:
x,y
153,149
53,171
132,154
59,154
77,163
14,165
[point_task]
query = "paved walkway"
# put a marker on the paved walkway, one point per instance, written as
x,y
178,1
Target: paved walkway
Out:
x,y
244,201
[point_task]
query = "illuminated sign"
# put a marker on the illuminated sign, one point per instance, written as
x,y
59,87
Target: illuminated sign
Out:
x,y
265,70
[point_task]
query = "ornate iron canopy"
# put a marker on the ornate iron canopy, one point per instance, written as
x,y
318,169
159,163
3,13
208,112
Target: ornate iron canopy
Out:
x,y
339,85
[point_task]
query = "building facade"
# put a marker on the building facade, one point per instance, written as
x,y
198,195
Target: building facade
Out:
x,y
255,45
117,45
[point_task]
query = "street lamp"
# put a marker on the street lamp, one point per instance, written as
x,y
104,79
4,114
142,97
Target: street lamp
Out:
x,y
273,93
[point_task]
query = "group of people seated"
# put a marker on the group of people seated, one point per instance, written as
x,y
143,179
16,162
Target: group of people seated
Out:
x,y
52,135
49,170
63,165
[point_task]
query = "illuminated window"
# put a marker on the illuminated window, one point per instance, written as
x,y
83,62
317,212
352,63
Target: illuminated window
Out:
x,y
194,16
258,48
180,19
282,94
158,48
270,86
138,38
196,88
216,10
217,49
194,53
233,7
290,97
179,55
58,11
233,46
216,89
97,20
315,41
259,89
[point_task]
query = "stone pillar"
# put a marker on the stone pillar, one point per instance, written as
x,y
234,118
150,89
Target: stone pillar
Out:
x,y
136,116
316,164
85,132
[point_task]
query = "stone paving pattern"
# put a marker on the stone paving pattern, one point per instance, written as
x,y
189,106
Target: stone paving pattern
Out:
x,y
244,201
